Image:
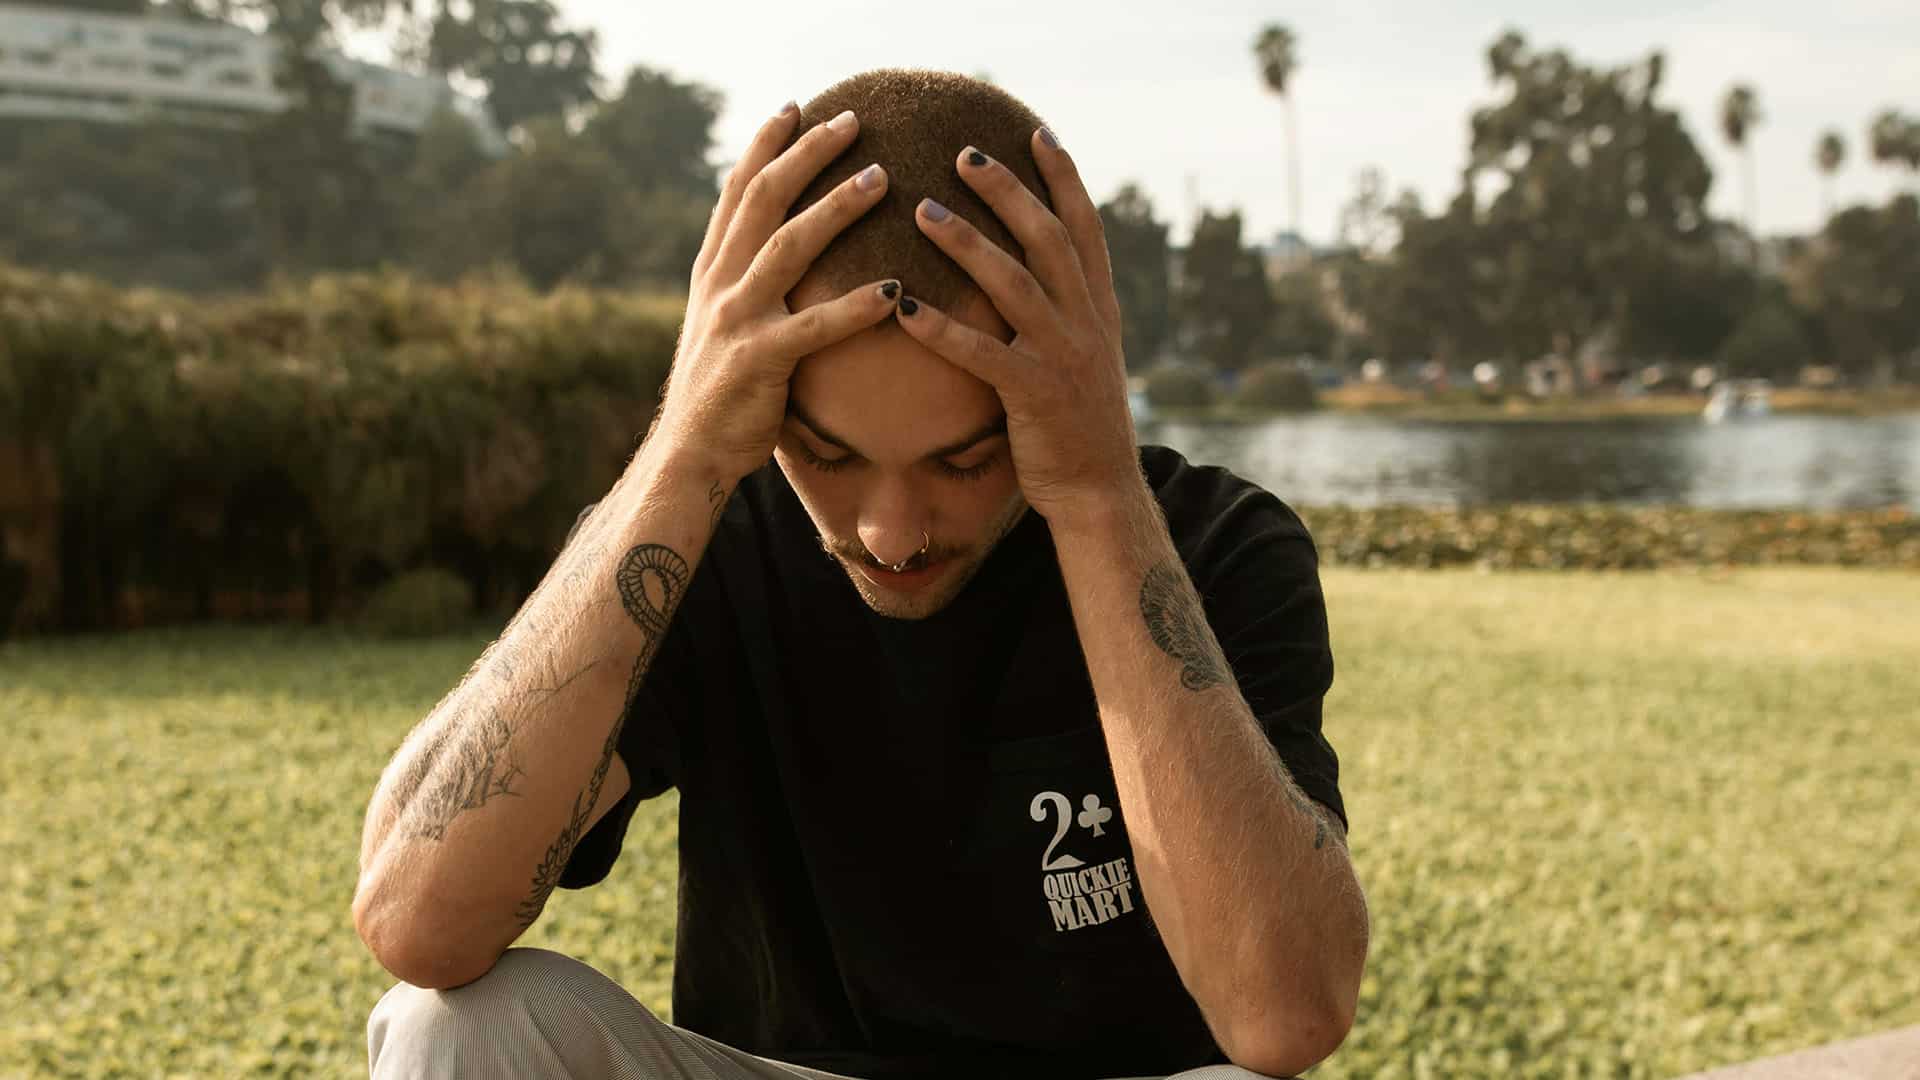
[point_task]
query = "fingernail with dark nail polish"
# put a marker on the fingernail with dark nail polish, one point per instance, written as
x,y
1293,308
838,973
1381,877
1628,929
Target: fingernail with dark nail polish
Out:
x,y
907,306
935,212
975,158
890,290
1046,136
788,109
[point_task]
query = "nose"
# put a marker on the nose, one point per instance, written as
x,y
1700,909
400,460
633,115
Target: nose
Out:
x,y
893,523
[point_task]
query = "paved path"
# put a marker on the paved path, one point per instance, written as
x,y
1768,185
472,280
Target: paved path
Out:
x,y
1892,1056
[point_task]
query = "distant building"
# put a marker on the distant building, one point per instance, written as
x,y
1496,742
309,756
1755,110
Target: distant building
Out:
x,y
1286,253
56,62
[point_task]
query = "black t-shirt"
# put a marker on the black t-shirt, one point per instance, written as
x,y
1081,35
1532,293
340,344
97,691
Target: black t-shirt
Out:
x,y
901,851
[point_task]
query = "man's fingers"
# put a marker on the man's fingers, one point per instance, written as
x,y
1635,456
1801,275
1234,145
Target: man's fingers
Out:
x,y
790,251
1076,210
767,196
1015,293
767,144
981,355
1050,252
812,329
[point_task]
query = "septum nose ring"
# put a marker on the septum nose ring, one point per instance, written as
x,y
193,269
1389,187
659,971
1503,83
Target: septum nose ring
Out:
x,y
926,541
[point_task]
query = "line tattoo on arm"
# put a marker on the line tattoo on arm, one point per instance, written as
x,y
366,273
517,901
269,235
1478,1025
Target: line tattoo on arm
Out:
x,y
1177,624
652,578
448,778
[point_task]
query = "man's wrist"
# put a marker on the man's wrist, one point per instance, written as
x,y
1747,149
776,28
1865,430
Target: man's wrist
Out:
x,y
664,458
1127,508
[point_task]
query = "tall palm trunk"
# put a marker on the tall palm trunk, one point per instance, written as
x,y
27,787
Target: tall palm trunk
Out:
x,y
1753,206
1293,166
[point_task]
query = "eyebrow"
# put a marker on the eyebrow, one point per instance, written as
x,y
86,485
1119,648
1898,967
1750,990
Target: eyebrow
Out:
x,y
997,427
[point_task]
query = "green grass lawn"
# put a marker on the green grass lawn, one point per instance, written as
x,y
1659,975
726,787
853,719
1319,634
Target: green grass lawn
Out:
x,y
1609,825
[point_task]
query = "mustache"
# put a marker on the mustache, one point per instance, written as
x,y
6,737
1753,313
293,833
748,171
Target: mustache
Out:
x,y
857,553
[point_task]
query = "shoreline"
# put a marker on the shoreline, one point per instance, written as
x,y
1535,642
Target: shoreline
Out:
x,y
1463,407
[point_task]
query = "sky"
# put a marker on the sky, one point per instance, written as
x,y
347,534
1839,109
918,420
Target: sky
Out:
x,y
1170,97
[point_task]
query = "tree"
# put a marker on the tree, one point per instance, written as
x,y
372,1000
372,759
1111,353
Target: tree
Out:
x,y
1137,246
1427,298
439,239
1275,50
1768,342
1739,115
156,203
659,131
1595,178
1894,139
1860,280
1828,155
1223,302
1684,302
1301,324
530,64
549,210
1368,222
313,179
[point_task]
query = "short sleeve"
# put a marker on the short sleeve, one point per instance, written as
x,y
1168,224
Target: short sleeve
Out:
x,y
648,745
1258,576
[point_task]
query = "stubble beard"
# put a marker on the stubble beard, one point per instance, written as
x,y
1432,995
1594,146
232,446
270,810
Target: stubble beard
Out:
x,y
934,599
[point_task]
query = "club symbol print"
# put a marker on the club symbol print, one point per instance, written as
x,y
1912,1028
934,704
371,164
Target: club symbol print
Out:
x,y
1093,815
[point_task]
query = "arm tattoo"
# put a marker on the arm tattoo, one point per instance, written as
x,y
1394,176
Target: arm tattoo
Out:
x,y
717,495
652,579
1177,624
446,779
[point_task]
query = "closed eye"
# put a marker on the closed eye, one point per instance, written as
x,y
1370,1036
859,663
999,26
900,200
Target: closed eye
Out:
x,y
971,472
825,465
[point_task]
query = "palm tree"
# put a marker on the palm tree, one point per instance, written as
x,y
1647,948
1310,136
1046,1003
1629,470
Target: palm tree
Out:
x,y
1274,51
1828,154
1739,115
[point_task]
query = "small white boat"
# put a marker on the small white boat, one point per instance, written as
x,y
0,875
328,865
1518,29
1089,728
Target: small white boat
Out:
x,y
1739,399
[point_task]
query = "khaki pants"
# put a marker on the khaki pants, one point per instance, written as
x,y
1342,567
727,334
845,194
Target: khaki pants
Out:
x,y
540,1014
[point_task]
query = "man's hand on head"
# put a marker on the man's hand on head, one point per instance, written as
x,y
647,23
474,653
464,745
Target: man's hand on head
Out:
x,y
1063,377
726,396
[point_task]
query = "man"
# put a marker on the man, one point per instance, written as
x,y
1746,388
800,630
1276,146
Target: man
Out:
x,y
984,789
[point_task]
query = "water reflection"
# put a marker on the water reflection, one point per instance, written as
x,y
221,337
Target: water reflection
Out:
x,y
1813,462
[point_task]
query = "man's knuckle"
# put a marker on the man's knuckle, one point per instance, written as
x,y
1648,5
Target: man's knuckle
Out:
x,y
810,323
730,307
984,350
1031,291
758,189
779,247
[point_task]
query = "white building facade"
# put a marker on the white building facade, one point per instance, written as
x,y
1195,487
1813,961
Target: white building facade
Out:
x,y
126,68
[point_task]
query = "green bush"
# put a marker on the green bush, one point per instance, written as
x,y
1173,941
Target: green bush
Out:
x,y
1275,386
1599,537
419,603
1179,388
316,437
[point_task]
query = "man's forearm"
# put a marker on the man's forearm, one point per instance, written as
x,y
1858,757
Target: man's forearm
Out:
x,y
480,810
1247,879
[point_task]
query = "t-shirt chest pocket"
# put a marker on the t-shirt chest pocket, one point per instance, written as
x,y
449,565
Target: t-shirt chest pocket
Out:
x,y
1049,840
1049,859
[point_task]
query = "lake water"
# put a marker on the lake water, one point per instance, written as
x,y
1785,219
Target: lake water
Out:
x,y
1811,462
